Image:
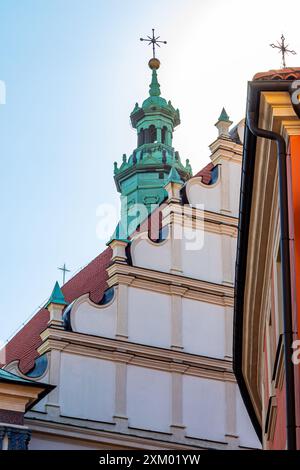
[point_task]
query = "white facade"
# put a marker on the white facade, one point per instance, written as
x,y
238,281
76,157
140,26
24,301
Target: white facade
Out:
x,y
152,368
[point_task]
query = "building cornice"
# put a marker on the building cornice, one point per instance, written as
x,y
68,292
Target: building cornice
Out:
x,y
19,398
196,218
226,149
159,281
136,438
136,354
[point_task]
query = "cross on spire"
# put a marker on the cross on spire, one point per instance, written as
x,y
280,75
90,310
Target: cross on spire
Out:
x,y
154,40
283,48
64,270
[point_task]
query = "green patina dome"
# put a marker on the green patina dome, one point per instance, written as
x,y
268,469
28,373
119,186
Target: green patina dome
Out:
x,y
155,105
142,177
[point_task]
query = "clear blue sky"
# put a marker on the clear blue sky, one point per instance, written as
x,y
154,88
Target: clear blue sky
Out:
x,y
73,71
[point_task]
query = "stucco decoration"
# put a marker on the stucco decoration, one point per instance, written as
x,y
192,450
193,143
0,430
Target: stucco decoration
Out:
x,y
95,319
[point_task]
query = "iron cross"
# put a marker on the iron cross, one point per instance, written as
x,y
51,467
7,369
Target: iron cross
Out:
x,y
64,270
154,40
283,48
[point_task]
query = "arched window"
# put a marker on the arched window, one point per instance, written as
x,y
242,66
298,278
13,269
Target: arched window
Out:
x,y
141,137
164,134
152,134
146,136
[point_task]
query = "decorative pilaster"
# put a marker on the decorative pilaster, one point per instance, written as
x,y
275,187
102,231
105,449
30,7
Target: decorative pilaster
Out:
x,y
228,275
119,257
53,405
173,187
177,427
231,418
176,254
225,191
176,319
120,416
122,311
173,218
228,331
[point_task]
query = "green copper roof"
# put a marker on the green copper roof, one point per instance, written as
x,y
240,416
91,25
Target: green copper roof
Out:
x,y
154,85
9,377
223,116
43,389
174,176
155,106
116,237
142,176
57,297
6,376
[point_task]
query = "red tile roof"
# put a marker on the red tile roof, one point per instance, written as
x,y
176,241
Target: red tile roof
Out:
x,y
288,73
205,173
91,279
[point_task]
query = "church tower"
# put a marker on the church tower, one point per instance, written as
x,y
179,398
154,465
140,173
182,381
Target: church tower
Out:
x,y
141,178
138,344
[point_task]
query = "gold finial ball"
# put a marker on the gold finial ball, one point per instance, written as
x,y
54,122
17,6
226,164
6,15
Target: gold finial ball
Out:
x,y
154,63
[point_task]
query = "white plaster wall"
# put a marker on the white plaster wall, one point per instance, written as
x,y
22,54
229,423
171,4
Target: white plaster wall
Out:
x,y
205,263
149,317
149,399
192,239
156,256
87,387
203,327
93,319
245,430
204,408
201,255
208,195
